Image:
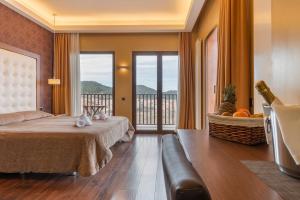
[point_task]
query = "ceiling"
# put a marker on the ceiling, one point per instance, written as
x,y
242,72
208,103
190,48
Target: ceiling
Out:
x,y
111,15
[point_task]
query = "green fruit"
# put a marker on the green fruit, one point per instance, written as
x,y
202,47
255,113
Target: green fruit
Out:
x,y
229,99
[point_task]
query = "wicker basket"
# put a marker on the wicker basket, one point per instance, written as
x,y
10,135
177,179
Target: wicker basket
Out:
x,y
248,131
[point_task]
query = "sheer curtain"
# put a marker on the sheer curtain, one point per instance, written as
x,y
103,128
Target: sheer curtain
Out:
x,y
186,115
75,74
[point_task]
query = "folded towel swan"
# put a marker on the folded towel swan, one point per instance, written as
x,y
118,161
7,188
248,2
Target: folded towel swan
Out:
x,y
83,121
101,116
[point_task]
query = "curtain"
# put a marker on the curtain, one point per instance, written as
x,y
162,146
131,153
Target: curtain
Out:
x,y
62,93
234,50
186,116
75,74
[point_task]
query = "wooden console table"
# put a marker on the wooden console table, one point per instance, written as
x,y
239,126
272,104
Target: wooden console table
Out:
x,y
218,163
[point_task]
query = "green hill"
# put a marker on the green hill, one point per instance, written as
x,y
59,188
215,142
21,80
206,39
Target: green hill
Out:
x,y
171,92
142,89
93,87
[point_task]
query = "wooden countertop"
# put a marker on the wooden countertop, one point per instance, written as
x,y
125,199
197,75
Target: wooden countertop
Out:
x,y
218,163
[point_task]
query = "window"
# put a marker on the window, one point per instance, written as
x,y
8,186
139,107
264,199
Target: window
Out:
x,y
156,82
97,81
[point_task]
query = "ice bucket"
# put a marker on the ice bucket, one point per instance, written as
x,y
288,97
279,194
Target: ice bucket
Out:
x,y
282,156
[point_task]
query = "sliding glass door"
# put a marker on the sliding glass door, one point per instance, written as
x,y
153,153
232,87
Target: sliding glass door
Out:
x,y
146,92
155,91
97,81
169,91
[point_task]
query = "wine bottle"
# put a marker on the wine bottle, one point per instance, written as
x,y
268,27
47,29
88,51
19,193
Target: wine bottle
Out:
x,y
265,91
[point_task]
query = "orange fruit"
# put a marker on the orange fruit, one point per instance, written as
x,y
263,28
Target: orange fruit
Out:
x,y
240,114
244,110
227,114
259,115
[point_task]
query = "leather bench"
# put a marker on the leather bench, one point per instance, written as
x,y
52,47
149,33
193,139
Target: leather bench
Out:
x,y
181,179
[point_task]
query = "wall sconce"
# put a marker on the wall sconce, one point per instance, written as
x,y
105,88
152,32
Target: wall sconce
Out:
x,y
123,68
54,81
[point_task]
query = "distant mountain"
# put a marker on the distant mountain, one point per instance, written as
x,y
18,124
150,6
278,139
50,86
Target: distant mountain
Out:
x,y
93,87
171,92
142,89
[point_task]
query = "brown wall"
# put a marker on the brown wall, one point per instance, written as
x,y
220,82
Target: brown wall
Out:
x,y
262,47
282,60
286,50
123,45
208,19
20,32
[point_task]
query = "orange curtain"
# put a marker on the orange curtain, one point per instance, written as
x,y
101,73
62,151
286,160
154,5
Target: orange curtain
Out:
x,y
61,93
187,83
234,50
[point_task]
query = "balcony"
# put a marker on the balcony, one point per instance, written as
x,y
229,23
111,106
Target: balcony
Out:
x,y
105,100
146,116
146,111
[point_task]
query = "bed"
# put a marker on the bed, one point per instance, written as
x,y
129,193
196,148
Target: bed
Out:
x,y
49,144
35,141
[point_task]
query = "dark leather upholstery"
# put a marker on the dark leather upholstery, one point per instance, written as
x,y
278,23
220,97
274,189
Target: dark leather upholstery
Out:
x,y
182,181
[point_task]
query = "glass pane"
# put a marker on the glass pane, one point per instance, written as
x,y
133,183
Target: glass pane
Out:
x,y
146,92
96,75
170,87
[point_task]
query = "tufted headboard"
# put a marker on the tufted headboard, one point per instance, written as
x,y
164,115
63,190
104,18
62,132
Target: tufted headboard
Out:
x,y
19,80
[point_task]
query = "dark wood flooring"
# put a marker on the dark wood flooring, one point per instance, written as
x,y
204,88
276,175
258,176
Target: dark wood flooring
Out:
x,y
135,172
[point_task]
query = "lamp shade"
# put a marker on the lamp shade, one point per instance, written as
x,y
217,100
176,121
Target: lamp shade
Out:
x,y
54,81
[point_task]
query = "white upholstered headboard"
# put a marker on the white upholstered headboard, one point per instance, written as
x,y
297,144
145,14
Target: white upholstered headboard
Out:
x,y
18,80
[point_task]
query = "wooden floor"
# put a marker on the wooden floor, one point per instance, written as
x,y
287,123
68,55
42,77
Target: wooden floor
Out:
x,y
135,172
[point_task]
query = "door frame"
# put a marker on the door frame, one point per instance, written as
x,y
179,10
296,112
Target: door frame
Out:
x,y
205,75
159,55
113,73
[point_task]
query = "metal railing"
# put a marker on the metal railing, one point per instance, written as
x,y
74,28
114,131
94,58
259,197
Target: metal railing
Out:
x,y
98,99
169,109
146,109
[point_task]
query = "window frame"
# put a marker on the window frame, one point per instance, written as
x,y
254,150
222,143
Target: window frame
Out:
x,y
159,55
113,73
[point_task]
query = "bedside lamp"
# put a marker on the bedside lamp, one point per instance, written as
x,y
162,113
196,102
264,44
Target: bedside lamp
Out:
x,y
54,81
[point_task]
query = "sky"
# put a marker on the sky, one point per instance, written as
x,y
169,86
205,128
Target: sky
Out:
x,y
98,67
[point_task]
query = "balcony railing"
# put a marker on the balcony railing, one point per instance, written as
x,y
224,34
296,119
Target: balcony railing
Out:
x,y
105,100
146,109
